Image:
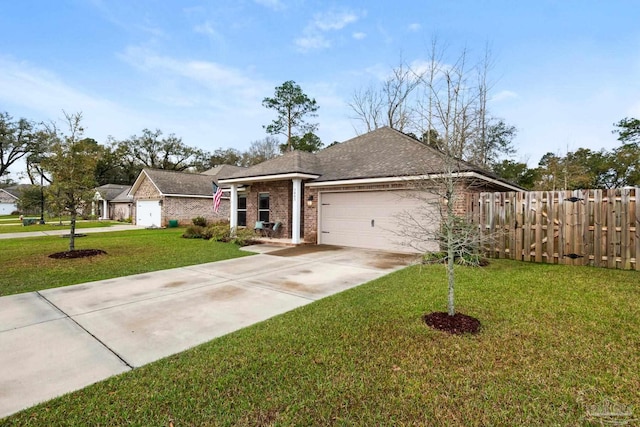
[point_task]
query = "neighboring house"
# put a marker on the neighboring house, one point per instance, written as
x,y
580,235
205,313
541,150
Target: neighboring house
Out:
x,y
160,196
9,200
348,194
112,201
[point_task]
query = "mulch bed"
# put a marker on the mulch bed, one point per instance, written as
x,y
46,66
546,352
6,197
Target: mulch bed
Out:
x,y
457,324
78,253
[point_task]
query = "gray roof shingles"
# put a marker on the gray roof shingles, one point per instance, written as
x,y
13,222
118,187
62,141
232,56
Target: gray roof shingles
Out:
x,y
382,153
112,191
174,183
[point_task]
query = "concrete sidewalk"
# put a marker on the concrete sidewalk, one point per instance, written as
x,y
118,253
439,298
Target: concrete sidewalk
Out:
x,y
59,340
65,230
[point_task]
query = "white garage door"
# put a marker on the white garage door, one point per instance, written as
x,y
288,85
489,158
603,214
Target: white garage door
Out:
x,y
372,219
7,208
148,213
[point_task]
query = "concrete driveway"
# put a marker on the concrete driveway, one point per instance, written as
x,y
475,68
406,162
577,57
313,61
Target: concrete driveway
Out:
x,y
59,340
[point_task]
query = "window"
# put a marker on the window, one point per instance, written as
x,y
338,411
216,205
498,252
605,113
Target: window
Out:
x,y
263,207
242,210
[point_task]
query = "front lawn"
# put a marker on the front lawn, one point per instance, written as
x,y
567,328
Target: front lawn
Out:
x,y
8,227
26,267
555,342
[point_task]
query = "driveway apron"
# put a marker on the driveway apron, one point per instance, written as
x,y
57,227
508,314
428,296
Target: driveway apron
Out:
x,y
59,340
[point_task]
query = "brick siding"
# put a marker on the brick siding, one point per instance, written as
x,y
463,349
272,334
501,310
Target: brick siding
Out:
x,y
279,204
182,209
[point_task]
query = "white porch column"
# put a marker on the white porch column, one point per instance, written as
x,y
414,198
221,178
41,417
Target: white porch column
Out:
x,y
295,217
105,209
233,213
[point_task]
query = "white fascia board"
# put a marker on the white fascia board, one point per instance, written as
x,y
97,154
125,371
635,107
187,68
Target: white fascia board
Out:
x,y
493,181
369,181
365,181
278,177
9,194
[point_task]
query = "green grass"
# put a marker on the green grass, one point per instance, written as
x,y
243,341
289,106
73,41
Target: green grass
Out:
x,y
17,227
554,340
26,267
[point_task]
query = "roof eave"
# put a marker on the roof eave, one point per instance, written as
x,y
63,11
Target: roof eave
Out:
x,y
382,180
274,177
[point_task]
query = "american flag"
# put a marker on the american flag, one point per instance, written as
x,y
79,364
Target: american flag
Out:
x,y
217,196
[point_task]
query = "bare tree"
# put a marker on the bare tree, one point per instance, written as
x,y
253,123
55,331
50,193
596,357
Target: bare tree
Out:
x,y
390,105
450,106
261,150
367,104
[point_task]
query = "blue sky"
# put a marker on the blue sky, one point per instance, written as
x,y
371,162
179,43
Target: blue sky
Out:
x,y
564,71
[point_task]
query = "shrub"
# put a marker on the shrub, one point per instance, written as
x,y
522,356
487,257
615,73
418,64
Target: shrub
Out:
x,y
434,257
199,221
219,231
193,232
244,237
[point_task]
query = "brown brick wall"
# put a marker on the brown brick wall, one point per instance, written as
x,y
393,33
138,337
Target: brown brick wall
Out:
x,y
279,204
120,211
184,209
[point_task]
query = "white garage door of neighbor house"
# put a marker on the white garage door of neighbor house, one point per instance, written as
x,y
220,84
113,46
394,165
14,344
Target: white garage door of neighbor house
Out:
x,y
148,213
370,219
7,208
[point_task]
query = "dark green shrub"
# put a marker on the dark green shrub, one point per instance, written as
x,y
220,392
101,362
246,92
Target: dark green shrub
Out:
x,y
219,231
193,232
244,237
199,221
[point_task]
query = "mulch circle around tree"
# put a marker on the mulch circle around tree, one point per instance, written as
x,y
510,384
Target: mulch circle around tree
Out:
x,y
78,253
457,324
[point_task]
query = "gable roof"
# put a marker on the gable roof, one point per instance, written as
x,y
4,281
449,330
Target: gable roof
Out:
x,y
223,170
16,190
11,193
176,183
123,196
382,153
111,191
290,163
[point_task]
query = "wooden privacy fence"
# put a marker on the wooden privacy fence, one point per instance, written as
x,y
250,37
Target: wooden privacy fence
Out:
x,y
580,227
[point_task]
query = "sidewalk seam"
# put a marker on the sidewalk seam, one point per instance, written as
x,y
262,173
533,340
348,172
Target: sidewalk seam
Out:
x,y
84,329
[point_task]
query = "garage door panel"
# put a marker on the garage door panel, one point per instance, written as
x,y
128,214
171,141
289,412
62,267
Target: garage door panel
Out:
x,y
148,213
346,218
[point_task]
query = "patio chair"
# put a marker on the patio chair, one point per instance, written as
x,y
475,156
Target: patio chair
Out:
x,y
259,227
275,229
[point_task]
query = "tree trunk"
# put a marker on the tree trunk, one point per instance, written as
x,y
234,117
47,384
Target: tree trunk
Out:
x,y
72,236
450,272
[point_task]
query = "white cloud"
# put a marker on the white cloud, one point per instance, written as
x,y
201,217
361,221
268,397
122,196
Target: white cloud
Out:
x,y
414,27
333,20
314,34
359,35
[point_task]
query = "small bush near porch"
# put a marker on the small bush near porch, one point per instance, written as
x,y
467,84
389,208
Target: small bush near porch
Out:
x,y
556,342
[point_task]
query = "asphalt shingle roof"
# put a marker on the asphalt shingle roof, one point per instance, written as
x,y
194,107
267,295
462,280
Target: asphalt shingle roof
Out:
x,y
112,191
171,182
291,162
384,152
